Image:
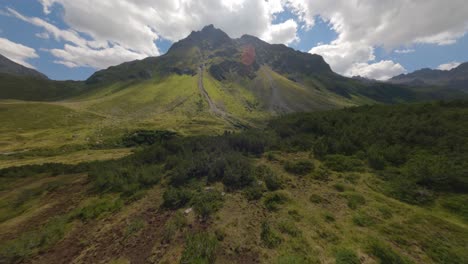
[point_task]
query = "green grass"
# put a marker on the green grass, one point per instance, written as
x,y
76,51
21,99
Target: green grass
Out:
x,y
30,243
200,248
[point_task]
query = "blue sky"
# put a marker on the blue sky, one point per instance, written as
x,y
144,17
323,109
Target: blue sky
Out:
x,y
301,26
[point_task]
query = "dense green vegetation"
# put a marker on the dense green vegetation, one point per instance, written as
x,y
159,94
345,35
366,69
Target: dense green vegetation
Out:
x,y
356,158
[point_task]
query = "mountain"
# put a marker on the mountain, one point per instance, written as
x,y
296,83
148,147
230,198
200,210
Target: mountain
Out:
x,y
456,78
252,76
8,66
22,83
209,83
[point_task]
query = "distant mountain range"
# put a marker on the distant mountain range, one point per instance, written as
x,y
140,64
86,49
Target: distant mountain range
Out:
x,y
209,75
8,66
456,78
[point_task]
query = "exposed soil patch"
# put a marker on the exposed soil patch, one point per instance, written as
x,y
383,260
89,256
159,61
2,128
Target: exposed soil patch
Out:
x,y
61,202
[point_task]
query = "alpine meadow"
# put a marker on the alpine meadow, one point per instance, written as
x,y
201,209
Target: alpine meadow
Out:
x,y
177,142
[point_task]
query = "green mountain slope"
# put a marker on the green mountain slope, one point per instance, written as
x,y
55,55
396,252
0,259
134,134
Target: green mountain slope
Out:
x,y
240,80
37,89
22,83
206,83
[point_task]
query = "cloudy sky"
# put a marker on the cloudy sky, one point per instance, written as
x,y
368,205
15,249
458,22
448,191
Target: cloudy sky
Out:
x,y
70,39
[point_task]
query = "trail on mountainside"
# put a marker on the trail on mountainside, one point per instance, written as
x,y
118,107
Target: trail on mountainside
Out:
x,y
213,107
277,103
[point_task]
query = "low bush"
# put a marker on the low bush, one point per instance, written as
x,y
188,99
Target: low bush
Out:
x,y
355,200
174,198
339,187
272,180
301,167
273,200
254,192
288,227
343,163
207,203
329,217
384,253
362,219
457,205
269,237
322,174
352,178
98,208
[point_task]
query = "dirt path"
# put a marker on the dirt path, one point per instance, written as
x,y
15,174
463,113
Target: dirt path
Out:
x,y
213,107
277,103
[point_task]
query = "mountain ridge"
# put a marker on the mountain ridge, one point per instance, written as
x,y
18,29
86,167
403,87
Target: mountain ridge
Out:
x,y
456,78
8,66
247,79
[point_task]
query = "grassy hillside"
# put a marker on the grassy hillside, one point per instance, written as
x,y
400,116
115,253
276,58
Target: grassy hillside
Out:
x,y
37,89
374,184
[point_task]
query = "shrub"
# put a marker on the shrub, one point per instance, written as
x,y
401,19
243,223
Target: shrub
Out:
x,y
433,172
363,219
200,248
321,148
254,192
329,217
238,173
269,237
375,158
288,227
352,178
322,174
408,191
457,205
346,256
302,167
206,203
98,208
355,200
343,163
384,253
274,199
174,198
272,180
339,187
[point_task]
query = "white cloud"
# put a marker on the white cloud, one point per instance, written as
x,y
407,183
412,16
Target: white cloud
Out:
x,y
73,56
283,33
81,52
448,66
390,23
43,35
367,24
404,51
382,70
17,52
343,55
